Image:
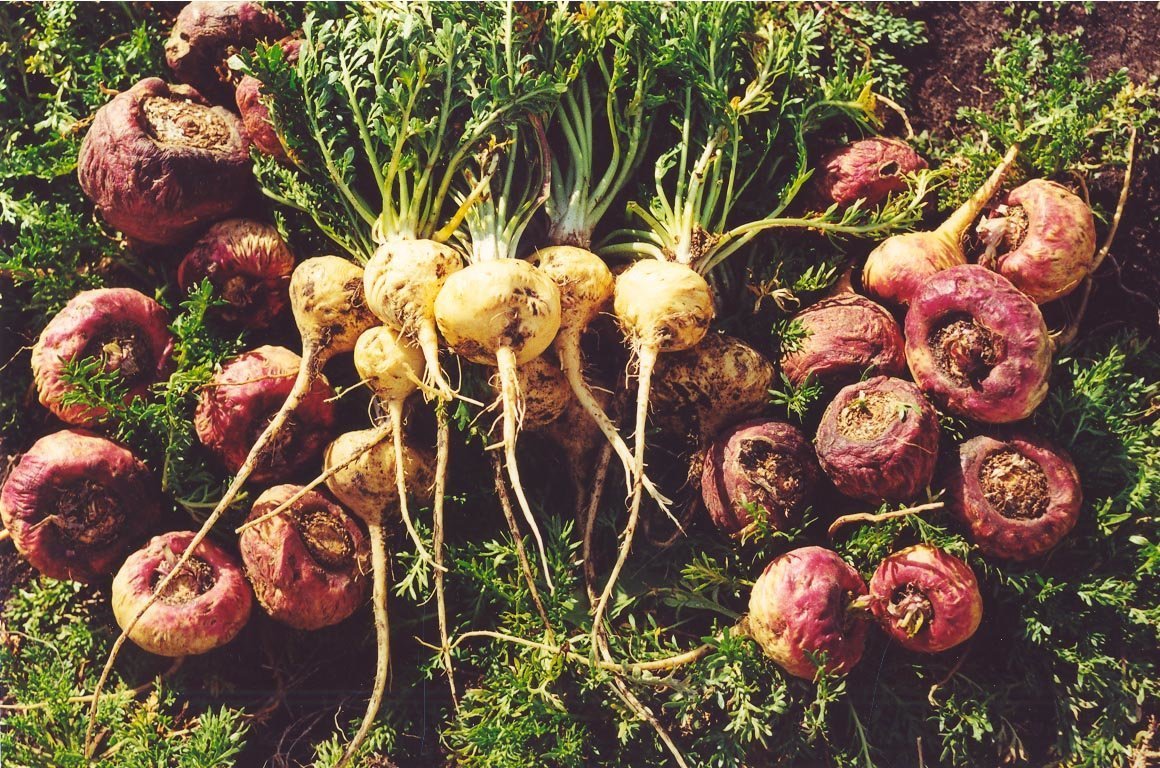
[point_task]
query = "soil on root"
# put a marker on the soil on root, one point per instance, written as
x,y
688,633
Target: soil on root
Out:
x,y
868,416
184,124
1014,485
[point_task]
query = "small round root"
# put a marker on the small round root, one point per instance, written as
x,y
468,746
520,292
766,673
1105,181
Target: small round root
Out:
x,y
647,356
382,640
510,393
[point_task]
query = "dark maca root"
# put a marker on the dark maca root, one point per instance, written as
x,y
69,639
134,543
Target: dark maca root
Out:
x,y
1017,497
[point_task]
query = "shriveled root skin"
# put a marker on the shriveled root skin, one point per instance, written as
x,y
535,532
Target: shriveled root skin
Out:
x,y
510,393
570,362
396,409
383,641
306,374
647,356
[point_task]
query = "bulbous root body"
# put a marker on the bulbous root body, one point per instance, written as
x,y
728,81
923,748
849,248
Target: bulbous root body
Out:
x,y
769,466
878,440
204,608
586,286
701,391
977,346
848,336
1045,241
403,279
898,268
925,599
545,390
326,297
802,605
75,503
662,307
502,312
1018,497
306,567
869,169
392,368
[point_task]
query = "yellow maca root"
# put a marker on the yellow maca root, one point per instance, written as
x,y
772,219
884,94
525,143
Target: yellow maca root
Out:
x,y
502,312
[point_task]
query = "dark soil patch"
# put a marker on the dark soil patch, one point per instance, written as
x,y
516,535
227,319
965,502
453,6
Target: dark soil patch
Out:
x,y
948,74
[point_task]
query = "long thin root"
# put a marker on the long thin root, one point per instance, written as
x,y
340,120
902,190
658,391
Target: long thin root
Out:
x,y
396,409
442,451
510,389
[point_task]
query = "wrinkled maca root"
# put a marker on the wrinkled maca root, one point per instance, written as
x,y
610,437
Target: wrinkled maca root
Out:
x,y
878,440
846,338
1018,497
869,169
203,607
75,503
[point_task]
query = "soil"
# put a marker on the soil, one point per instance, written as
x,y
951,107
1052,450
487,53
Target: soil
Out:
x,y
948,73
325,538
183,124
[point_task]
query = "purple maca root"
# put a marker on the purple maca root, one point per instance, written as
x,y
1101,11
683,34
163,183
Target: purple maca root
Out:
x,y
878,440
204,607
124,328
1018,497
925,599
801,608
1043,241
160,163
205,36
307,565
765,466
75,503
846,337
870,169
978,346
241,399
249,266
255,114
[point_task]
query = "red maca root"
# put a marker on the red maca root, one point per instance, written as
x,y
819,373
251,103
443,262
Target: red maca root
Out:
x,y
801,607
75,503
160,163
978,346
1044,241
768,466
126,329
307,566
846,337
1018,497
207,34
925,599
248,265
204,606
255,115
870,169
878,440
241,399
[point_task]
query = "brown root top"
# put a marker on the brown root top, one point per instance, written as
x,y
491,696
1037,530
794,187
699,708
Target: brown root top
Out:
x,y
777,472
965,350
124,348
195,578
185,124
87,515
1014,485
868,416
910,608
1016,230
325,537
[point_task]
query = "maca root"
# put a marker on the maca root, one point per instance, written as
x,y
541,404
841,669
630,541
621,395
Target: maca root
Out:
x,y
966,351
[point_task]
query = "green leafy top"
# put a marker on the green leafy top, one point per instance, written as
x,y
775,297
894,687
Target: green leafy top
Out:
x,y
749,93
386,106
611,104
